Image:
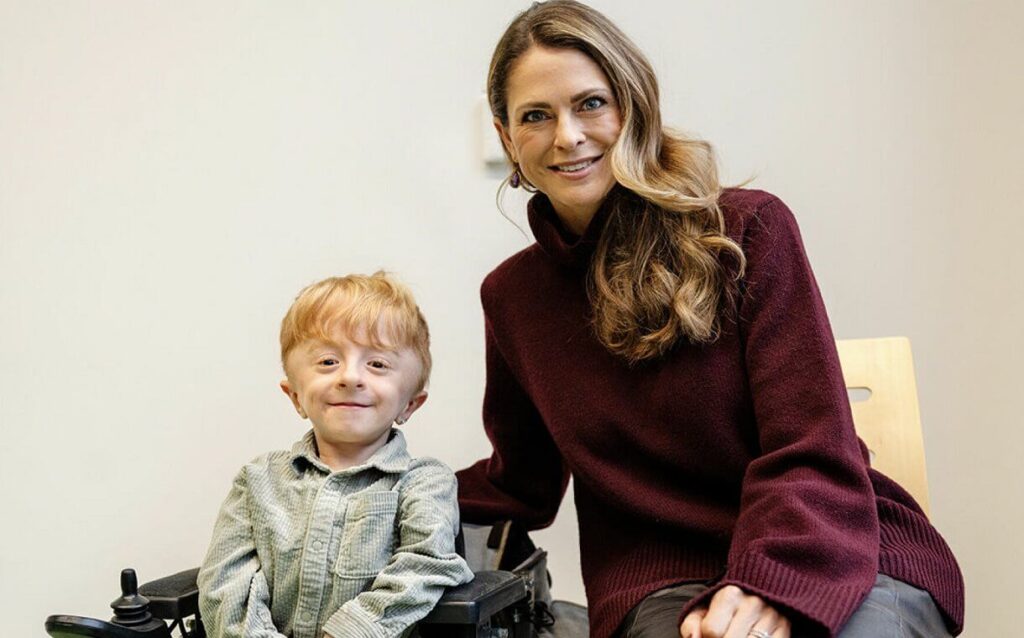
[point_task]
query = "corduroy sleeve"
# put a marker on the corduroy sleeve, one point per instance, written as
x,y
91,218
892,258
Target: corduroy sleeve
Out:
x,y
423,565
234,597
806,539
525,477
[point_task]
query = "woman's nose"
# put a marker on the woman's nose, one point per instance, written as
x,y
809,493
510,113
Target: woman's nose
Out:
x,y
569,133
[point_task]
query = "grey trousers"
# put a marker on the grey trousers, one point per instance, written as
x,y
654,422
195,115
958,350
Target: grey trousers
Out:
x,y
893,609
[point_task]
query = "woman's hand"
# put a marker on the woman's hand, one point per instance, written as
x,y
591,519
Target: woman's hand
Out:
x,y
735,614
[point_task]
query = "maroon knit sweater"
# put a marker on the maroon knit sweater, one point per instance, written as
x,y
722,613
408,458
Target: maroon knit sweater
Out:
x,y
731,463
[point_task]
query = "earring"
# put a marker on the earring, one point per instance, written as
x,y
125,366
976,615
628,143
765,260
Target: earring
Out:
x,y
516,179
399,421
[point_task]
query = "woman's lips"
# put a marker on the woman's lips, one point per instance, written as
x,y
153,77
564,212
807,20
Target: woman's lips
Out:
x,y
578,169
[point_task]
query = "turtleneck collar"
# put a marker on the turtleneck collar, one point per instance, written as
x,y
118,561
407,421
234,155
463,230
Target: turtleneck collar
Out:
x,y
558,242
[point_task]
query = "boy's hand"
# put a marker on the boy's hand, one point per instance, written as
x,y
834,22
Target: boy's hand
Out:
x,y
733,612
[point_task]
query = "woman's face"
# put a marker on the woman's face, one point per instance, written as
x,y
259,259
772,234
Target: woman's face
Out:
x,y
562,121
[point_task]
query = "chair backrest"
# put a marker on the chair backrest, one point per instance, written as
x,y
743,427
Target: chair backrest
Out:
x,y
879,374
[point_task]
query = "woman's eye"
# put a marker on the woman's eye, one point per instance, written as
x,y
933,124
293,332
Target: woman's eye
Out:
x,y
532,117
592,103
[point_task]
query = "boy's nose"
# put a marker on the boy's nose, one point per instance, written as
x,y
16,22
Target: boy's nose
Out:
x,y
350,376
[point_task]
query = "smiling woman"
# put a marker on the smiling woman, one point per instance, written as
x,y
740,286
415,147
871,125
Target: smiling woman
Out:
x,y
665,343
563,120
567,88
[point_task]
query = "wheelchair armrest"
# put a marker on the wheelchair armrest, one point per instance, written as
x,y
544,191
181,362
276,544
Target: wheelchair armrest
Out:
x,y
173,597
66,626
476,601
177,596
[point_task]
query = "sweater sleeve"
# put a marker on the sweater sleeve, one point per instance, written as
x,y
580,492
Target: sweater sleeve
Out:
x,y
806,538
525,477
234,597
423,565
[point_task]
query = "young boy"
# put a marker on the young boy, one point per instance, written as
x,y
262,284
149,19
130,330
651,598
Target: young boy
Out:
x,y
346,535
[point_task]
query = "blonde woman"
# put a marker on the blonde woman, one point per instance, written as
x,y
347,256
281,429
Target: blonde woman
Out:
x,y
665,344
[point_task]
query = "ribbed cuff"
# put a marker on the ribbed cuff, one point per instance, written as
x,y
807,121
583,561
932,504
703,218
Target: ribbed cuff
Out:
x,y
826,604
914,552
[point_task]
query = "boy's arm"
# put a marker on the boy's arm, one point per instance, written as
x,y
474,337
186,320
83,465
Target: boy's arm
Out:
x,y
234,597
423,565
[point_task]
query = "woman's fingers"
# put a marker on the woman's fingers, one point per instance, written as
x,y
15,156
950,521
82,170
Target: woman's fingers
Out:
x,y
770,625
782,629
774,629
691,624
749,611
722,612
733,613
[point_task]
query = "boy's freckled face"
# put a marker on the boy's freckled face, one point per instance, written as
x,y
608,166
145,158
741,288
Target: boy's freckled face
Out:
x,y
352,393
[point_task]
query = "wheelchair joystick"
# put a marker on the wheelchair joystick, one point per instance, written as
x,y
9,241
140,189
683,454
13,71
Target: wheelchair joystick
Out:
x,y
130,609
132,618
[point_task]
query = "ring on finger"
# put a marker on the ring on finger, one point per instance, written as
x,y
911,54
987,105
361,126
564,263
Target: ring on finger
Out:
x,y
758,633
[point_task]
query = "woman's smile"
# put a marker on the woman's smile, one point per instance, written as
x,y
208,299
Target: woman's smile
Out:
x,y
579,169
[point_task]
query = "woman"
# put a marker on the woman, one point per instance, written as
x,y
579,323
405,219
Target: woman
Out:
x,y
664,342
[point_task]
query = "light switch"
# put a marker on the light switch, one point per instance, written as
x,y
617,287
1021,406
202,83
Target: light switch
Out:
x,y
491,152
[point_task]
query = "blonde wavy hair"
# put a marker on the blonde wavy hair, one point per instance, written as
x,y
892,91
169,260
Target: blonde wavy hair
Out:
x,y
659,274
377,308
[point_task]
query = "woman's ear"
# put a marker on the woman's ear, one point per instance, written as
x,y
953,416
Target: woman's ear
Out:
x,y
505,140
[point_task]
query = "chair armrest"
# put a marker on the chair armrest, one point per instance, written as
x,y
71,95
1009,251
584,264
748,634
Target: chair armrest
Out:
x,y
173,597
487,594
66,626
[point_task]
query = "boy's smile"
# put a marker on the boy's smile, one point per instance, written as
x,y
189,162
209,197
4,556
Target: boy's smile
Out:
x,y
352,393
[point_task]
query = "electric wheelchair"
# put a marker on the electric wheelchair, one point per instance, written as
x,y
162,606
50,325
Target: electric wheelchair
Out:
x,y
509,597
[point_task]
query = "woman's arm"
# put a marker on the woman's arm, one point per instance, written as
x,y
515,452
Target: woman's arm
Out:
x,y
806,540
525,478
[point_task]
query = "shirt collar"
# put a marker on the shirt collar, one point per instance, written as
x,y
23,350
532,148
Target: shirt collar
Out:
x,y
392,457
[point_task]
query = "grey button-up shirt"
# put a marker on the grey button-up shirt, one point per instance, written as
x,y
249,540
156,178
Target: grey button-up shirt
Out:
x,y
299,550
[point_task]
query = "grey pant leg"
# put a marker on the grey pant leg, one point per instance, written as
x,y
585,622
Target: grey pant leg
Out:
x,y
657,616
895,609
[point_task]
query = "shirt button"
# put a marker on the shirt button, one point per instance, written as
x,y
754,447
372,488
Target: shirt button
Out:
x,y
317,545
307,616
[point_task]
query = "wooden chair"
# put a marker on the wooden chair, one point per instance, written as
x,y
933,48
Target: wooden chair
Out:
x,y
887,419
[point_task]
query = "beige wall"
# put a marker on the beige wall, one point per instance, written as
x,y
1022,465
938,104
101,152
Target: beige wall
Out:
x,y
171,174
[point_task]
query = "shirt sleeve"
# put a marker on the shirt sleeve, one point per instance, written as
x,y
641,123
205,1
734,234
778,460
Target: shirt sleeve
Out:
x,y
234,597
423,565
806,539
525,477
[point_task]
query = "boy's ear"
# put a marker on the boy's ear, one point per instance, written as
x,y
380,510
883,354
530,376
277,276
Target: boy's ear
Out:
x,y
414,404
286,387
505,139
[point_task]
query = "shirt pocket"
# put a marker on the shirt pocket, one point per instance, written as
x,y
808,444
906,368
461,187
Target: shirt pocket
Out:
x,y
368,537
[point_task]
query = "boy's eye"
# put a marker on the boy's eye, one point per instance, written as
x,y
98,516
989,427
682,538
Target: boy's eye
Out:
x,y
592,103
328,361
532,117
378,365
